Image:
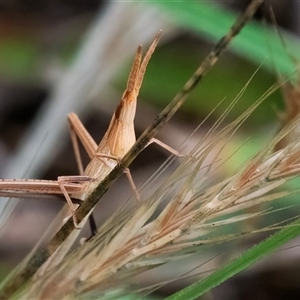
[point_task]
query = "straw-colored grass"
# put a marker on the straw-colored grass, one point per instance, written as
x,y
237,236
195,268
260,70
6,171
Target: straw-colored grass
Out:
x,y
131,242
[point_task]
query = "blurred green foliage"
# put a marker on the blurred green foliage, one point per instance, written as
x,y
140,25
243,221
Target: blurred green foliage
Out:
x,y
18,58
257,44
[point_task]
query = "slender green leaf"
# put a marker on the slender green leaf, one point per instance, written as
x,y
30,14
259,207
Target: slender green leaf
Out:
x,y
256,42
240,263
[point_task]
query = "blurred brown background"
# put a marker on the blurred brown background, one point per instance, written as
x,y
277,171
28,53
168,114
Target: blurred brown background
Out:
x,y
42,41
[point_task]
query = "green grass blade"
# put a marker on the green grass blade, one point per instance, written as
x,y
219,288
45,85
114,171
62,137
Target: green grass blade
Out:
x,y
256,42
240,263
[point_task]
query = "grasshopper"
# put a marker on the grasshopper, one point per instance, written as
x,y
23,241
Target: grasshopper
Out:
x,y
118,139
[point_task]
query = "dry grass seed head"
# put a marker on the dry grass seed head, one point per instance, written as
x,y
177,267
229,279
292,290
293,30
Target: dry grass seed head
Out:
x,y
130,242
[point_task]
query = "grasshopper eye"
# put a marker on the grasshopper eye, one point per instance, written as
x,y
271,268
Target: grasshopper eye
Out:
x,y
125,95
